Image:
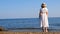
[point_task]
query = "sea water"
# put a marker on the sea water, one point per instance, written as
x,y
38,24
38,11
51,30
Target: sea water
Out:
x,y
29,24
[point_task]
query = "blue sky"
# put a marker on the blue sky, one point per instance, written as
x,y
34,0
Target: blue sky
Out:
x,y
27,8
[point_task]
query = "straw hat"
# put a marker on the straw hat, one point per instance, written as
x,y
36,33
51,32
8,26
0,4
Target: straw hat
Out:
x,y
43,5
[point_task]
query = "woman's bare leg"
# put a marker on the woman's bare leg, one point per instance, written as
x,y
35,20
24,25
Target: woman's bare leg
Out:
x,y
45,29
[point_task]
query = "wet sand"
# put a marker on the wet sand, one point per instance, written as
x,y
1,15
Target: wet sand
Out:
x,y
3,31
10,32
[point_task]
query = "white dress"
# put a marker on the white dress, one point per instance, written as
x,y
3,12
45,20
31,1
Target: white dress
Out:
x,y
44,18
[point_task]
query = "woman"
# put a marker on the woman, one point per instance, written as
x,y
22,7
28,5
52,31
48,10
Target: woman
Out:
x,y
43,15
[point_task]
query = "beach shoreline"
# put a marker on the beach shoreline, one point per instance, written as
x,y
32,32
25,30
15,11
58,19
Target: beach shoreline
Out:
x,y
10,32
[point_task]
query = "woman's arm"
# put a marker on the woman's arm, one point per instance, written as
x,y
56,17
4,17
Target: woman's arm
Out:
x,y
40,14
47,13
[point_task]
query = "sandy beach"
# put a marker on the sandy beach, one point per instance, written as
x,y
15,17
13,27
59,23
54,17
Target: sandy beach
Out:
x,y
9,32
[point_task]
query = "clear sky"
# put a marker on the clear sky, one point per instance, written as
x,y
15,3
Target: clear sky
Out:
x,y
27,8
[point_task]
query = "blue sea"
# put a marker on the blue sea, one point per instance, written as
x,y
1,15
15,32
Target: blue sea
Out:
x,y
29,24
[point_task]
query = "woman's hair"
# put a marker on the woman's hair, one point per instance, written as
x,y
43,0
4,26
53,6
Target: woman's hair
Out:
x,y
43,5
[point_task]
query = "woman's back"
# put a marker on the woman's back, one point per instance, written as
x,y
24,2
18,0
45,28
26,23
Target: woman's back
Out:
x,y
44,17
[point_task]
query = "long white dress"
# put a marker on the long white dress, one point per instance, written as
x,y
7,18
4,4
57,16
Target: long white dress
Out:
x,y
44,18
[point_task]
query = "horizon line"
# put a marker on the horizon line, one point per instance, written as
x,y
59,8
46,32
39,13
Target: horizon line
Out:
x,y
27,17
